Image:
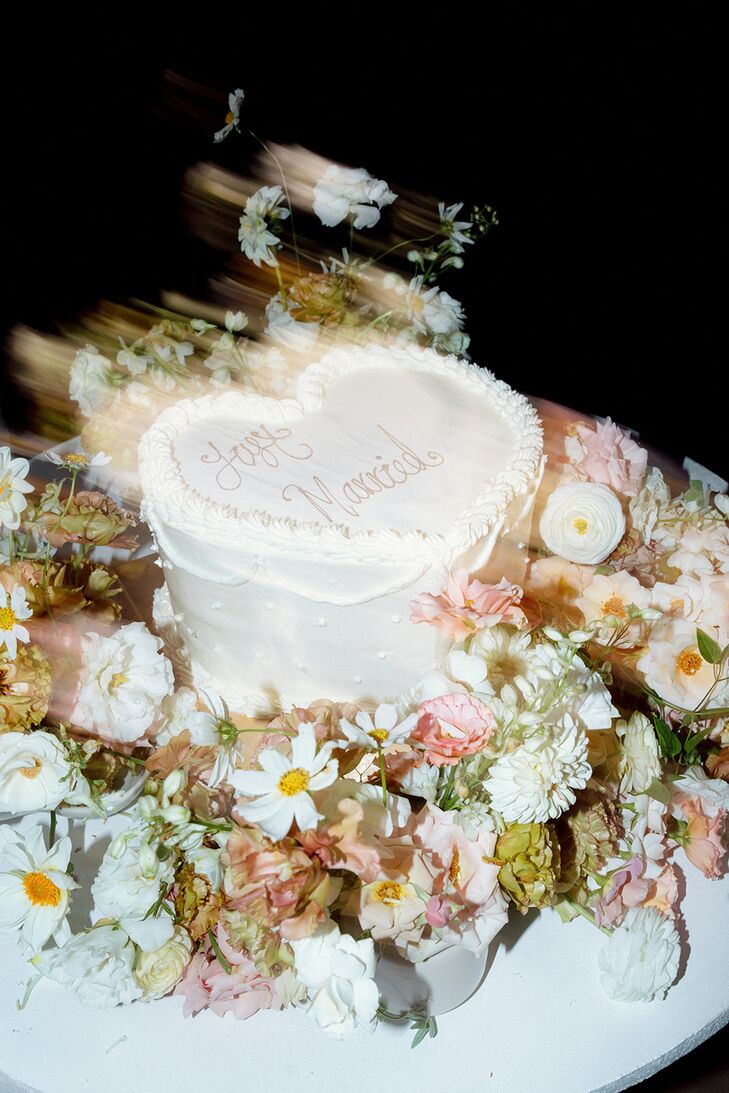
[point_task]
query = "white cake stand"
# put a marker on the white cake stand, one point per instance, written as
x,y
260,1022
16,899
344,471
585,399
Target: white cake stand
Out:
x,y
539,1022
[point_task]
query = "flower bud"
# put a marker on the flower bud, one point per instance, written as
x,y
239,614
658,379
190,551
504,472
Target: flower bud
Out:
x,y
173,783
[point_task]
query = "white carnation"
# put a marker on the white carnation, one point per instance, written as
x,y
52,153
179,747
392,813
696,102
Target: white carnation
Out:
x,y
338,973
97,966
582,522
640,961
535,783
124,680
344,192
639,762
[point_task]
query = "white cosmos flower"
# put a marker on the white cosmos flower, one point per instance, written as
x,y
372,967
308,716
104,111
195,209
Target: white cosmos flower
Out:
x,y
640,960
338,973
674,668
232,118
432,310
13,487
13,612
78,461
124,679
97,965
456,230
34,887
284,785
582,522
350,192
535,783
89,384
378,732
639,761
262,210
128,885
34,772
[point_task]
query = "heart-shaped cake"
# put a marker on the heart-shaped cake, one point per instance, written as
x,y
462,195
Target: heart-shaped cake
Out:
x,y
295,533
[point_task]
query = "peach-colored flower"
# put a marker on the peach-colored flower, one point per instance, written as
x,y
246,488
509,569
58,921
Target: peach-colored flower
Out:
x,y
393,905
340,845
718,764
466,605
611,595
452,726
664,892
627,888
704,843
556,580
243,991
606,454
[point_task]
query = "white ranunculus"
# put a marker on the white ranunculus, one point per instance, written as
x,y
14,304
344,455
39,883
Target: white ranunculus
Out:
x,y
128,884
344,192
124,679
640,960
97,965
582,522
159,971
536,782
639,762
89,381
13,487
34,772
338,973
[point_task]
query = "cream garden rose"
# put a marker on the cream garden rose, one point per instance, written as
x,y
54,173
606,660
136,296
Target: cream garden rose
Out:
x,y
159,971
582,522
34,772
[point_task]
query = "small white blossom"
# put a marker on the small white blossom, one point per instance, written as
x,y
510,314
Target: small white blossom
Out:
x,y
640,960
262,211
433,311
128,885
13,487
232,118
456,230
350,192
282,327
235,321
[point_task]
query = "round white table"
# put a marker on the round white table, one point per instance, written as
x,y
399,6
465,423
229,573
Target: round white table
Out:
x,y
539,1022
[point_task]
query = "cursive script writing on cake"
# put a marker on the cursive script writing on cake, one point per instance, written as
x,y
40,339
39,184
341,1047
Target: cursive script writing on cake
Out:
x,y
355,491
263,444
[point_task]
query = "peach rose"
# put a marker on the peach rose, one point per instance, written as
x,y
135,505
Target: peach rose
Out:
x,y
452,726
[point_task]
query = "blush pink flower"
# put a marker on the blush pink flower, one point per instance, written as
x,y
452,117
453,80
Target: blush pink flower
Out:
x,y
243,991
452,726
466,605
704,843
627,888
606,454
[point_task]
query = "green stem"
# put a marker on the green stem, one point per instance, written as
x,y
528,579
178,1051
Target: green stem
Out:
x,y
383,779
276,160
589,916
52,829
224,964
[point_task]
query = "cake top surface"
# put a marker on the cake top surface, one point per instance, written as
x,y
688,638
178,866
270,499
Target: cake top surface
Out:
x,y
381,448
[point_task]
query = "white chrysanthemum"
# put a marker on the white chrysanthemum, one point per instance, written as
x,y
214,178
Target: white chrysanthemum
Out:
x,y
128,885
13,487
432,310
284,785
380,731
339,975
34,772
89,383
350,192
639,761
582,522
640,960
535,783
97,965
14,610
262,211
124,679
34,888
674,668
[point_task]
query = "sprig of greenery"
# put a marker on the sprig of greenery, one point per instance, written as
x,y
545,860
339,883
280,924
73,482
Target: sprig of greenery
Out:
x,y
421,1021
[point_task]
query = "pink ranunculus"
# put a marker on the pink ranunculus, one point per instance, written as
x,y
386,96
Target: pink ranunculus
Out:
x,y
606,454
242,992
704,845
452,726
437,910
627,888
466,605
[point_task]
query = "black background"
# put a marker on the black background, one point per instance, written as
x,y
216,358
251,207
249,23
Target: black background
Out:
x,y
595,130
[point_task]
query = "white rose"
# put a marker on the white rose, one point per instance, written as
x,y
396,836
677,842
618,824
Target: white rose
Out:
x,y
582,522
34,772
640,960
639,762
338,973
158,972
97,965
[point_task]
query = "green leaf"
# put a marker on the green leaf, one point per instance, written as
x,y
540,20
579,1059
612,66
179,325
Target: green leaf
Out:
x,y
419,1035
693,741
696,493
659,792
710,650
670,743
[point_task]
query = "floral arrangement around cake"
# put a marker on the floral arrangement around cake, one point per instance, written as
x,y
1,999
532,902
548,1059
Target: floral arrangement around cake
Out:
x,y
572,752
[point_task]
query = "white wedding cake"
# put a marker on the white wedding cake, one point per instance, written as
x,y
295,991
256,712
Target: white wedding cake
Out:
x,y
295,533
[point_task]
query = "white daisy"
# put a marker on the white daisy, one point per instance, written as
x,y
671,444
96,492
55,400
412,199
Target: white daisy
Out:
x,y
13,486
284,785
34,887
13,610
78,461
232,118
456,230
377,733
535,783
214,727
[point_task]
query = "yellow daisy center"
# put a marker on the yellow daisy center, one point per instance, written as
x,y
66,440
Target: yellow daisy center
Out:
x,y
580,525
294,781
379,735
117,679
7,618
614,606
469,604
32,772
388,891
3,485
229,118
454,870
41,891
689,662
77,459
